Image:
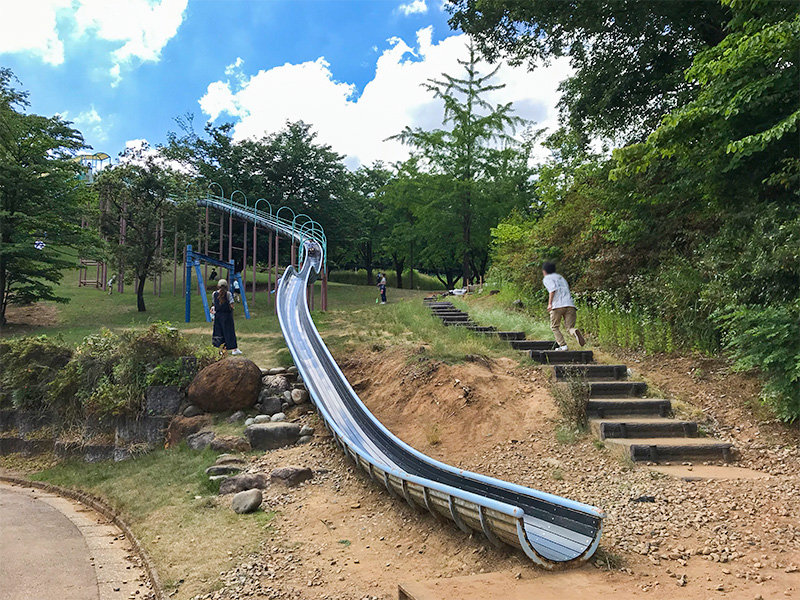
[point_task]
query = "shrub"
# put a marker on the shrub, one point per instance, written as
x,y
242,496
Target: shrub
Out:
x,y
767,338
572,398
28,366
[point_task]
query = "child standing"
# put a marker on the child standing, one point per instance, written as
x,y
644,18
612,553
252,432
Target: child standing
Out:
x,y
222,311
560,306
382,286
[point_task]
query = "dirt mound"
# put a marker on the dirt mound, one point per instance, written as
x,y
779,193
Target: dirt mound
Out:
x,y
452,411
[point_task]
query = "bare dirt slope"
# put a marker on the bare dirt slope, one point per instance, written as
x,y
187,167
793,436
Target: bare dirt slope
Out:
x,y
341,537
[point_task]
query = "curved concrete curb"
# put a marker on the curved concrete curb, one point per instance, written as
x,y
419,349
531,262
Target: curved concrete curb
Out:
x,y
101,507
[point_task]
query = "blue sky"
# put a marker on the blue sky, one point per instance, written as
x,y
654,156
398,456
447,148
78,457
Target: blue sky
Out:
x,y
122,70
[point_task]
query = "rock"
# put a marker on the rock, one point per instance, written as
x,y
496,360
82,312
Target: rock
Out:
x,y
230,384
269,405
242,482
223,469
275,385
284,407
292,370
261,419
200,440
268,436
277,371
229,459
248,422
299,385
304,439
218,477
192,411
164,400
181,427
236,417
247,502
306,430
287,397
299,396
291,475
278,417
230,443
518,304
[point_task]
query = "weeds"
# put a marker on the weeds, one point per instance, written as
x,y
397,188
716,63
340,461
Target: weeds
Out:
x,y
557,474
567,435
432,434
572,398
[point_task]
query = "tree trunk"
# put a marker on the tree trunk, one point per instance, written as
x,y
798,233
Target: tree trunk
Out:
x,y
140,292
398,268
366,254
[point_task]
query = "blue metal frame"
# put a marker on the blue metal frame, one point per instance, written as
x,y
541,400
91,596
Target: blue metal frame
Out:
x,y
194,259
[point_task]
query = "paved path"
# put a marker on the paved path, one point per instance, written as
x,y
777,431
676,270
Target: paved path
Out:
x,y
53,548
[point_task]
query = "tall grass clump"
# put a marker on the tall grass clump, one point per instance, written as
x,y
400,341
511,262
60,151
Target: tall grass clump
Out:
x,y
572,399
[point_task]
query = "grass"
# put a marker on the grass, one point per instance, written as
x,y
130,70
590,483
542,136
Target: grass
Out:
x,y
189,538
359,277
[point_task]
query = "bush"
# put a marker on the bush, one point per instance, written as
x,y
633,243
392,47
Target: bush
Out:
x,y
572,398
767,338
28,366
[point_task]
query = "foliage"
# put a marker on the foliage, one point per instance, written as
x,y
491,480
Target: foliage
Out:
x,y
27,368
767,338
41,200
628,56
572,398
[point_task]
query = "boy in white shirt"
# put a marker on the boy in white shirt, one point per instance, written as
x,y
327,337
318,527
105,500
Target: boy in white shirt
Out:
x,y
560,306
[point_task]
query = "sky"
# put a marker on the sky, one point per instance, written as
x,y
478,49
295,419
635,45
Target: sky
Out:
x,y
123,70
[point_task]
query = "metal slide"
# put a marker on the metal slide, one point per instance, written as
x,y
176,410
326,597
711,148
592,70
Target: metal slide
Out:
x,y
552,531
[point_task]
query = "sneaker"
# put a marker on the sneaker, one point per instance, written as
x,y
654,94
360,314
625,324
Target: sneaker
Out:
x,y
235,352
579,337
383,302
562,348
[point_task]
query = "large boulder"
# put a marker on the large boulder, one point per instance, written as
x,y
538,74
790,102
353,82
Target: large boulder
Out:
x,y
200,440
230,384
181,427
243,482
269,436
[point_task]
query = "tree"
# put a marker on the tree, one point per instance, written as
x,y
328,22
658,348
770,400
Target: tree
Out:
x,y
628,56
464,154
370,227
142,192
41,200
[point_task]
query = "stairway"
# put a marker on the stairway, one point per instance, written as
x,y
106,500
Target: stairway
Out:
x,y
640,428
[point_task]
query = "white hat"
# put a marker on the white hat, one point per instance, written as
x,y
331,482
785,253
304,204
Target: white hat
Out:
x,y
222,283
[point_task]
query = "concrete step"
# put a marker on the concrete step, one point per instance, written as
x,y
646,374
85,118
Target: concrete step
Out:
x,y
616,389
591,372
533,345
671,448
562,356
633,427
621,407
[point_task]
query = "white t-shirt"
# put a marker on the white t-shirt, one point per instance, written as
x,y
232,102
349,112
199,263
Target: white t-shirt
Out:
x,y
556,283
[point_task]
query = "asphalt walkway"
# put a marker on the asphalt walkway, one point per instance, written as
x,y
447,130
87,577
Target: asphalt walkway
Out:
x,y
53,548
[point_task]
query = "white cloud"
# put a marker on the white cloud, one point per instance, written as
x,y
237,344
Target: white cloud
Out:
x,y
141,27
357,125
90,123
414,7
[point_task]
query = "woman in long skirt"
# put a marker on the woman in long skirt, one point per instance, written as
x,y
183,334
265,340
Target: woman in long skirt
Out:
x,y
222,310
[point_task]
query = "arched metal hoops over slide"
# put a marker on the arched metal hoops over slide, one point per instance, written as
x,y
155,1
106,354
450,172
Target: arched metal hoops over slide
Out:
x,y
552,531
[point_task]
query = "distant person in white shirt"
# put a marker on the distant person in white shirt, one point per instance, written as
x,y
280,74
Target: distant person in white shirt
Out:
x,y
560,306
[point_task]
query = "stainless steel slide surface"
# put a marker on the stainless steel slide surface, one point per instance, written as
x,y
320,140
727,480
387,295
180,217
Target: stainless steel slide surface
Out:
x,y
551,530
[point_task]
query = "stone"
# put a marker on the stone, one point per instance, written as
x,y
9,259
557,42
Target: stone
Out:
x,y
163,400
299,385
268,404
291,475
223,469
96,453
277,371
284,407
304,439
230,443
181,427
248,422
200,440
236,417
269,436
229,384
227,459
278,417
292,370
217,477
142,429
192,411
261,419
275,385
242,482
246,502
287,397
518,304
299,396
306,430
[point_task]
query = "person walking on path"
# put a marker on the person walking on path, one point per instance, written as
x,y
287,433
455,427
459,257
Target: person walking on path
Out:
x,y
222,313
560,306
382,286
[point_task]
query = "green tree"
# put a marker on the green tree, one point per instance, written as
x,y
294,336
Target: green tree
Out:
x,y
628,56
41,200
369,208
464,155
141,192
